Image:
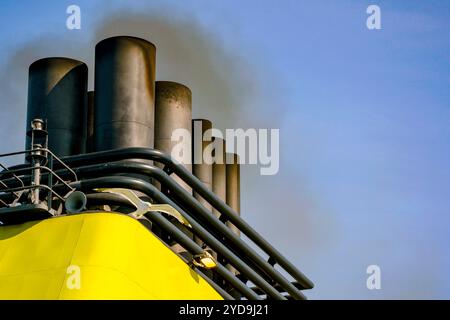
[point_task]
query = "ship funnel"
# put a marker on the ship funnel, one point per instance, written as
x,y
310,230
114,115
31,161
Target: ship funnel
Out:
x,y
219,179
233,184
201,169
57,94
90,122
173,110
124,93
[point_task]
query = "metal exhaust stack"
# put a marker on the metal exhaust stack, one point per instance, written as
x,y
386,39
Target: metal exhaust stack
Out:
x,y
124,93
57,94
233,192
90,122
233,184
200,169
219,179
173,110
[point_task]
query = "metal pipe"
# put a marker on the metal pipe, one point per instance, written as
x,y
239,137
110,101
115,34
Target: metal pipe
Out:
x,y
218,288
37,134
160,175
200,169
155,194
124,93
50,183
194,207
195,249
233,192
57,94
32,187
173,111
233,185
198,186
218,176
32,169
219,179
36,164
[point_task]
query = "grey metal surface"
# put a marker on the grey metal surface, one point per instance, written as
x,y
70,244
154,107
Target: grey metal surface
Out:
x,y
124,93
233,193
90,122
57,93
173,110
219,179
233,185
202,171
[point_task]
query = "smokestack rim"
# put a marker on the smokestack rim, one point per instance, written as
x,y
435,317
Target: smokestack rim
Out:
x,y
124,37
178,84
42,61
207,121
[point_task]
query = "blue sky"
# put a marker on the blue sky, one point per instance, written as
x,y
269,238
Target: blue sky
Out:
x,y
364,119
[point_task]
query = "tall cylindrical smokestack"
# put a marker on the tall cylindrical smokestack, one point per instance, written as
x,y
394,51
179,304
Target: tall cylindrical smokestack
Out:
x,y
233,184
233,193
219,179
202,170
173,110
57,94
90,122
124,93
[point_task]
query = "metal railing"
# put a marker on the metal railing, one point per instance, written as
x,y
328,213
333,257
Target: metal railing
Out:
x,y
109,169
28,186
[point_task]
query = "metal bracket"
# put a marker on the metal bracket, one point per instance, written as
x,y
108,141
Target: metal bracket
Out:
x,y
143,207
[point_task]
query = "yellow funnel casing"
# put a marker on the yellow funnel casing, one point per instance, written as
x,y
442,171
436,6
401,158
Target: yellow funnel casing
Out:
x,y
93,256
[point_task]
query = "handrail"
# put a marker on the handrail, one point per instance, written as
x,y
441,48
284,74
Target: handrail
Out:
x,y
37,186
15,177
39,168
22,166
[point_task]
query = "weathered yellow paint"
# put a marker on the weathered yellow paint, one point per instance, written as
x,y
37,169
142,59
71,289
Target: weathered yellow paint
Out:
x,y
93,256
